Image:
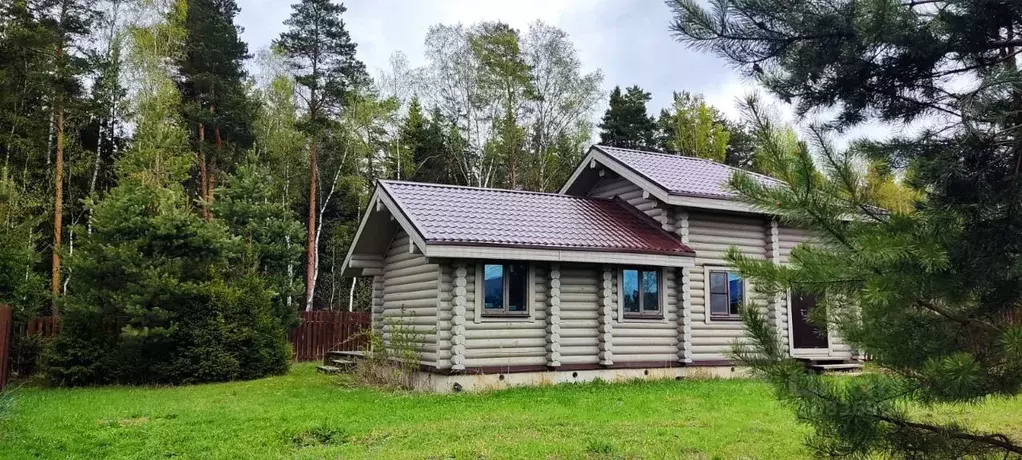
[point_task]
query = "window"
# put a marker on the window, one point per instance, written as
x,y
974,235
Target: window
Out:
x,y
504,289
640,293
727,293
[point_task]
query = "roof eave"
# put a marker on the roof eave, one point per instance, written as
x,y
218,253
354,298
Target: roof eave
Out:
x,y
454,250
381,199
599,157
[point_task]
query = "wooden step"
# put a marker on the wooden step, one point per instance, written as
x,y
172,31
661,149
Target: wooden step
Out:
x,y
328,369
342,363
837,366
346,354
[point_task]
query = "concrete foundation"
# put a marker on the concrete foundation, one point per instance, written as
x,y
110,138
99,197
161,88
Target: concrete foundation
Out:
x,y
440,383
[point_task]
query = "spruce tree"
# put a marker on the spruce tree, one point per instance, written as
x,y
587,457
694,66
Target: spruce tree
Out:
x,y
626,123
321,54
931,293
270,232
216,106
157,294
432,155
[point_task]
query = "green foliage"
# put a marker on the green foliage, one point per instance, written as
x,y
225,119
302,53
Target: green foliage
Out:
x,y
367,118
693,128
433,156
391,362
321,55
504,80
626,123
924,278
271,235
20,285
279,143
25,353
212,77
157,296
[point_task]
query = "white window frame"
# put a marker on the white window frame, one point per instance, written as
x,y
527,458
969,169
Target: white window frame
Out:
x,y
706,294
530,295
622,316
805,352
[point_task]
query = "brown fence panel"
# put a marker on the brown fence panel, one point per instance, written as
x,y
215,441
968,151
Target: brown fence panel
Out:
x,y
323,331
6,318
44,326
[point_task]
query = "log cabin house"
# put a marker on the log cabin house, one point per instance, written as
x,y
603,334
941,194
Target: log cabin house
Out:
x,y
619,275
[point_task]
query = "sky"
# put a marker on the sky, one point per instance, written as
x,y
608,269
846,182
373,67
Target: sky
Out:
x,y
628,39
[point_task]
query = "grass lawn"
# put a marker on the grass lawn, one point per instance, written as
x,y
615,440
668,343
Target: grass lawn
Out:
x,y
309,415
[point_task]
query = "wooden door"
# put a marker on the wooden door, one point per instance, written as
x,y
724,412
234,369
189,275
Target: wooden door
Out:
x,y
804,334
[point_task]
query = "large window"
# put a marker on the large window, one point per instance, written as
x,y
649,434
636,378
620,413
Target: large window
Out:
x,y
504,289
640,293
727,293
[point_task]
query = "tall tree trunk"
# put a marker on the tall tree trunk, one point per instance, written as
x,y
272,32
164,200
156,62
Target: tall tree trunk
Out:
x,y
351,294
203,173
311,249
58,209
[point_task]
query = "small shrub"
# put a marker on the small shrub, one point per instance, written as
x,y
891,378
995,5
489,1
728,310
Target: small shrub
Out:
x,y
25,353
392,364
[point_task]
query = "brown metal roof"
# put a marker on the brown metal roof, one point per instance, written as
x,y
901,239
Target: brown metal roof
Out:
x,y
453,215
683,176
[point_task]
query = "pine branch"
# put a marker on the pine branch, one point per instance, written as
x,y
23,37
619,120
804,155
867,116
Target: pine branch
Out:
x,y
915,3
928,305
998,441
1005,43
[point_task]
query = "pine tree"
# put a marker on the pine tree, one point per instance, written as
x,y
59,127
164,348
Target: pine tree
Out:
x,y
212,85
929,292
321,54
626,123
66,24
432,154
741,146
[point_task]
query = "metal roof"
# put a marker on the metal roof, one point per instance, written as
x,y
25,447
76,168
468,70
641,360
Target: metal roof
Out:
x,y
455,215
683,176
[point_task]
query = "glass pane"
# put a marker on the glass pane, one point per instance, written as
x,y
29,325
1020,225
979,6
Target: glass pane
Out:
x,y
517,283
650,292
736,291
493,287
718,282
718,304
630,290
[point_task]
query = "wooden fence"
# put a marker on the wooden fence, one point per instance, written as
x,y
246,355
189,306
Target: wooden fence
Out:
x,y
323,331
45,326
6,318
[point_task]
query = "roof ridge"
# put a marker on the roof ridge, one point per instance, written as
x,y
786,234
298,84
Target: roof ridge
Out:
x,y
672,155
490,189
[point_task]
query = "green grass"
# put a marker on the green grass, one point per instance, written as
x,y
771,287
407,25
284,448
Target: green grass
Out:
x,y
309,415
